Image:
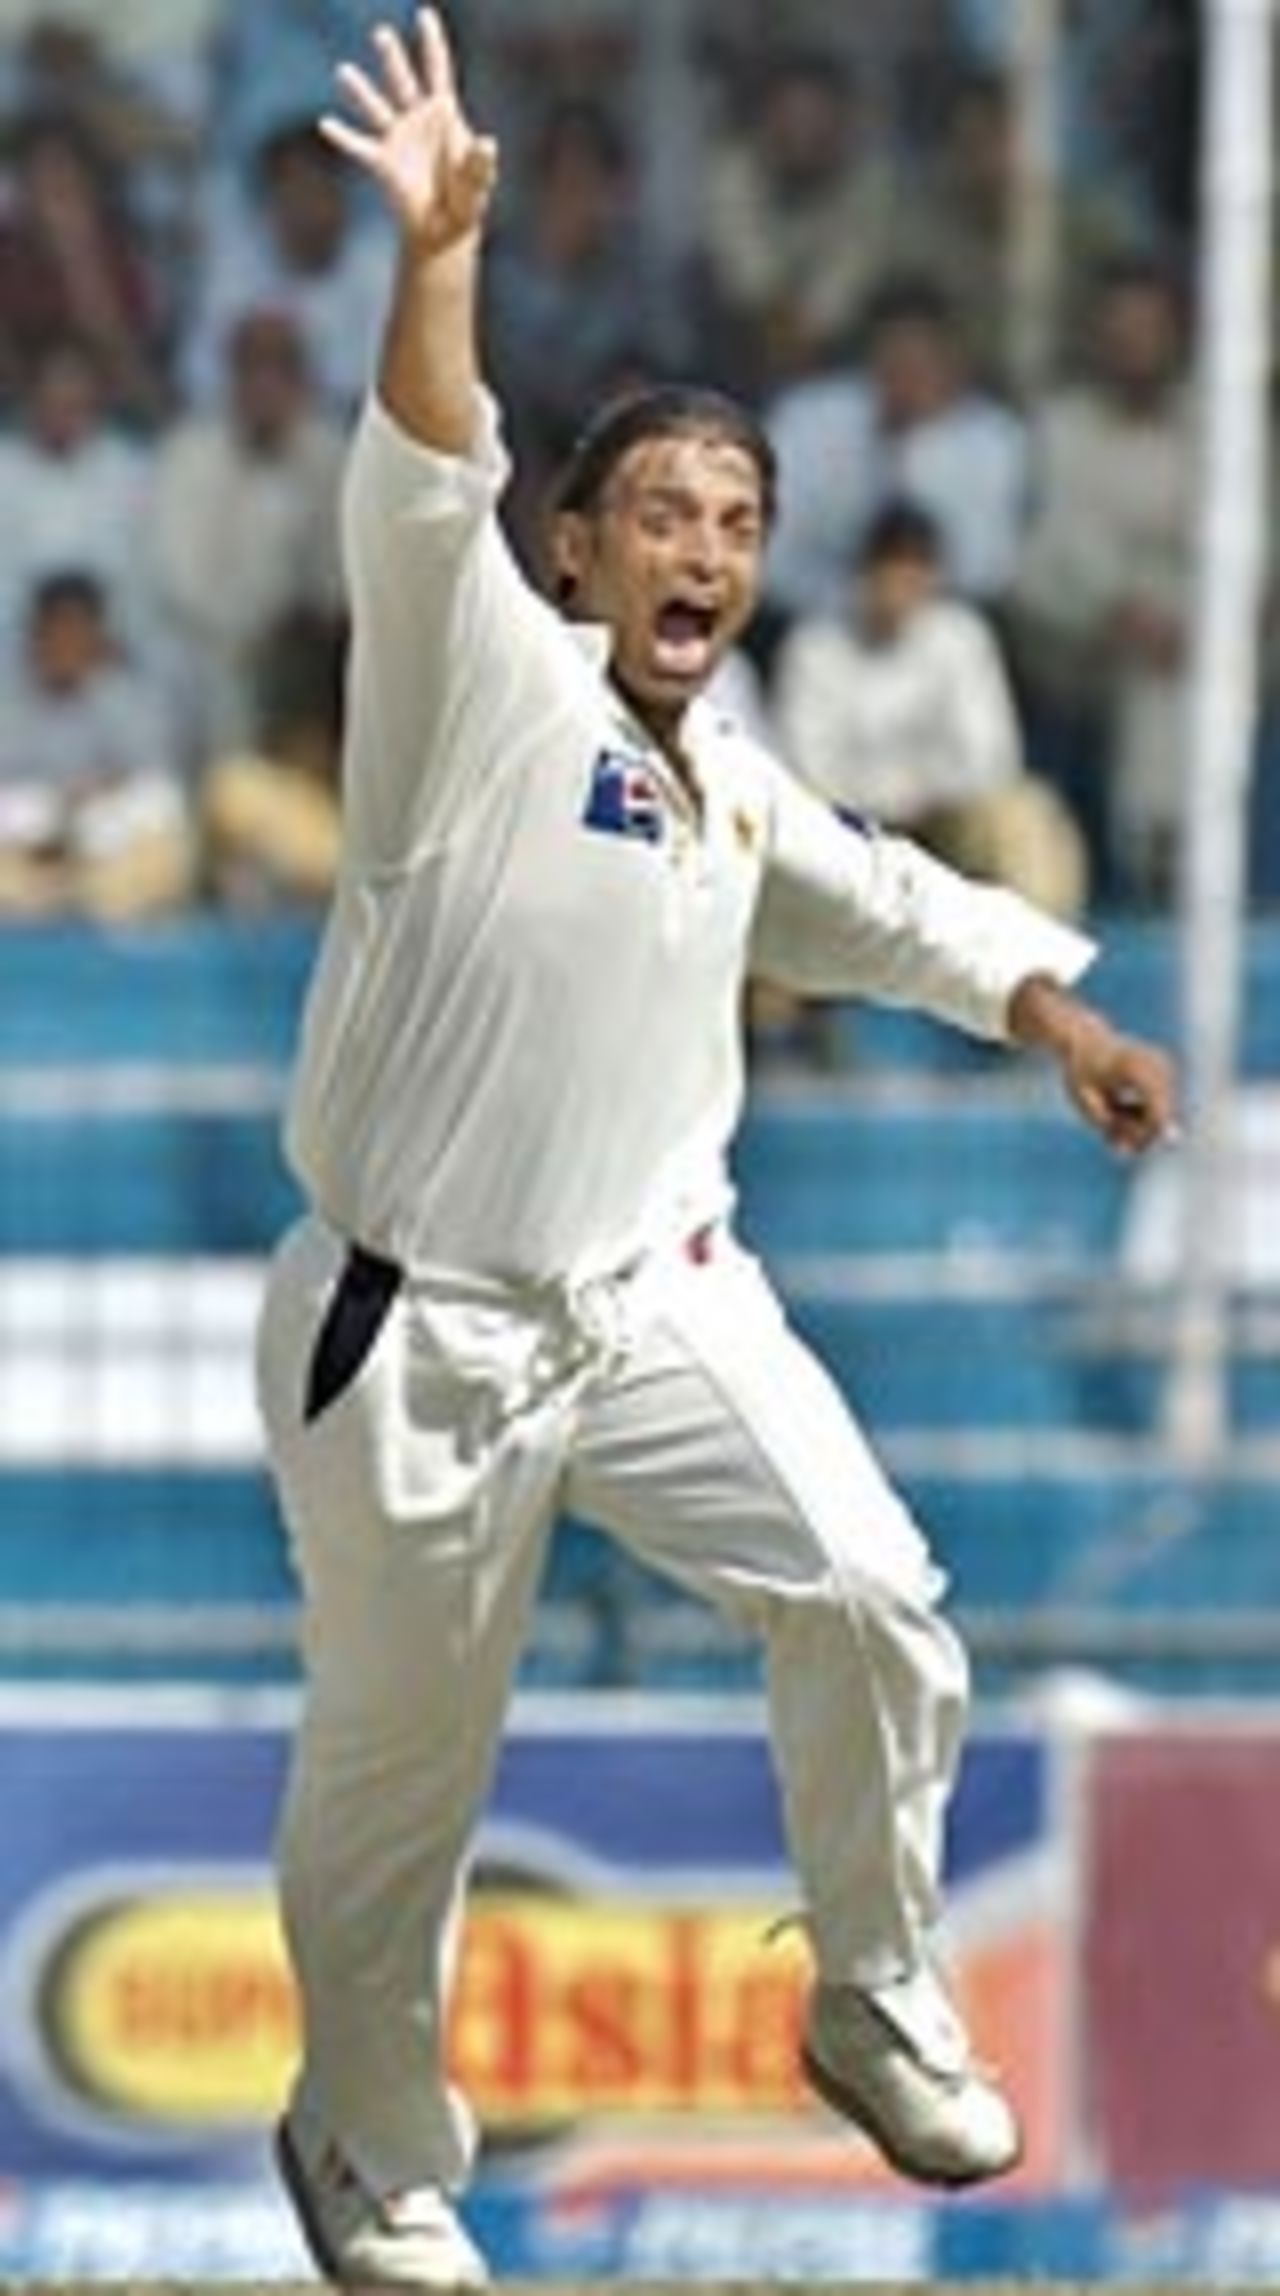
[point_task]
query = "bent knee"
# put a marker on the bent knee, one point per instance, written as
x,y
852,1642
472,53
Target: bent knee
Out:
x,y
891,1618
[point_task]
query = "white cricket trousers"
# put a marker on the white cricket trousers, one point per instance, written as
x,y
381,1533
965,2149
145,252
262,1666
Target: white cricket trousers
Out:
x,y
673,1407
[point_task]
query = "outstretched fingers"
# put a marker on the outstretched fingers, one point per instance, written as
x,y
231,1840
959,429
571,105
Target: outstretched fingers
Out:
x,y
399,78
363,149
402,122
379,100
377,106
437,56
366,97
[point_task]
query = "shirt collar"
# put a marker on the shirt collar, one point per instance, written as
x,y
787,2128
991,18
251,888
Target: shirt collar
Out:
x,y
594,641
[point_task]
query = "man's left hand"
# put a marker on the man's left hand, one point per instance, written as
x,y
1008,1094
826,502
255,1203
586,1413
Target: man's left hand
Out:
x,y
1123,1087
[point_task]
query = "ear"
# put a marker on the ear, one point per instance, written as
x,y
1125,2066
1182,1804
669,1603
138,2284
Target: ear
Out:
x,y
570,552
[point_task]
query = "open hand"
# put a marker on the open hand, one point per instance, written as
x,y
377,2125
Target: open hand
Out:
x,y
414,138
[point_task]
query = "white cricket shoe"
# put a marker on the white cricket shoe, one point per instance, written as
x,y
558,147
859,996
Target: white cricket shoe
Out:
x,y
909,2083
364,2239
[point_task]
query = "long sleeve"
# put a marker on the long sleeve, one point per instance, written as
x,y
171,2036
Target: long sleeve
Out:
x,y
848,912
433,593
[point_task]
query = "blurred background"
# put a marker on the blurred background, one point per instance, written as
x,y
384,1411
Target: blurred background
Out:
x,y
998,276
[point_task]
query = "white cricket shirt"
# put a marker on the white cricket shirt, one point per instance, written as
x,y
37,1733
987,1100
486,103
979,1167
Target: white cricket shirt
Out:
x,y
521,1053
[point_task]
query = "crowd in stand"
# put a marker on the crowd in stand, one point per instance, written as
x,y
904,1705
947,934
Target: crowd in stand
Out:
x,y
977,615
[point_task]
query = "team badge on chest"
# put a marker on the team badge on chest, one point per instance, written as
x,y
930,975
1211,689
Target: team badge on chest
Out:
x,y
624,798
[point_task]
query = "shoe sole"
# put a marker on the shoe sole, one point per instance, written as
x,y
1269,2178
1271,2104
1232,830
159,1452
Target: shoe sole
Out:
x,y
850,2108
293,2177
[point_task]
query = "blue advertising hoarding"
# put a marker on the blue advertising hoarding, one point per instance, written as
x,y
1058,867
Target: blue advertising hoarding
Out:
x,y
623,2023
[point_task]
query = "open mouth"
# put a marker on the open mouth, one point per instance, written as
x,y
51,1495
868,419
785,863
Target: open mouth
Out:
x,y
683,634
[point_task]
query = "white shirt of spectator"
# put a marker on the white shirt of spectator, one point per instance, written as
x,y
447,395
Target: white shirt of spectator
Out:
x,y
837,466
339,312
85,510
521,1055
238,539
94,769
894,729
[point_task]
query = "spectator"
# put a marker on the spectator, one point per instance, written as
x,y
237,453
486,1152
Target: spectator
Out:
x,y
301,246
1105,139
75,491
161,50
138,78
894,45
92,820
959,227
566,301
71,262
246,526
568,49
909,420
270,815
901,708
1103,591
276,65
796,224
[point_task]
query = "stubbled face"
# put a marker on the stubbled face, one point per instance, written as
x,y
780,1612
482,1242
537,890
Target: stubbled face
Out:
x,y
807,132
669,559
268,379
916,370
67,646
1138,341
308,208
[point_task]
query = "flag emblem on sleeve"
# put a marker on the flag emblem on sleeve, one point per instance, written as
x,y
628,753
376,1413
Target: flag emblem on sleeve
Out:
x,y
624,799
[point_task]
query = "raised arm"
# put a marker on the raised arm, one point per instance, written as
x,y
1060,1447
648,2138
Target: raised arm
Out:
x,y
436,174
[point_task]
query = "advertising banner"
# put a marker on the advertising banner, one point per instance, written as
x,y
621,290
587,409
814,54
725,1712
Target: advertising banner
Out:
x,y
624,2022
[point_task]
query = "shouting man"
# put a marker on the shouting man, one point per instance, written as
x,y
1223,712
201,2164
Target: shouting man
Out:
x,y
517,1288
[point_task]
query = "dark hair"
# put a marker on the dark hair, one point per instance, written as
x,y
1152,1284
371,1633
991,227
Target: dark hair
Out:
x,y
1141,271
660,410
981,86
578,123
66,587
803,63
289,140
909,299
900,529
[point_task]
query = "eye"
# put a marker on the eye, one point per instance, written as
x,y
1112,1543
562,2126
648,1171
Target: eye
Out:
x,y
659,518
